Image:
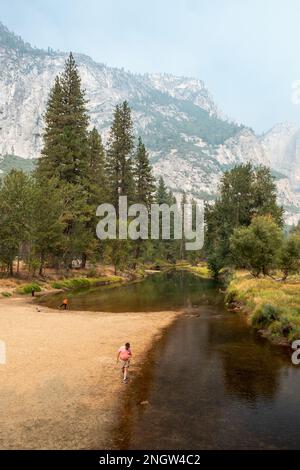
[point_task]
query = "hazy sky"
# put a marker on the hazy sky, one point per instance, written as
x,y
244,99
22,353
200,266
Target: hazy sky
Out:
x,y
246,51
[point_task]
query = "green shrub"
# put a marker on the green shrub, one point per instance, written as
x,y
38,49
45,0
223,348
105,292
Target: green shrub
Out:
x,y
265,315
92,272
226,276
79,282
27,288
6,294
286,326
56,285
275,328
231,296
71,283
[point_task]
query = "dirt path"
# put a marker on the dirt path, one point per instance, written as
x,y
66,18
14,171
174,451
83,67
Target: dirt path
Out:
x,y
60,386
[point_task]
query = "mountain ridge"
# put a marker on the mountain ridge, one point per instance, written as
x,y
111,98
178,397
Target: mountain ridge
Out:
x,y
190,141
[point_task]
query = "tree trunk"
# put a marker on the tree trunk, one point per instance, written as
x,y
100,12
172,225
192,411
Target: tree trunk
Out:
x,y
11,268
41,270
83,260
137,253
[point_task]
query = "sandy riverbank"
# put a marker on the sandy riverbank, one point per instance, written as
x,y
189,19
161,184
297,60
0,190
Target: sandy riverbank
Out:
x,y
60,386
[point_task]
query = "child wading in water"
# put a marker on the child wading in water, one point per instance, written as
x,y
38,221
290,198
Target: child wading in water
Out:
x,y
64,304
124,356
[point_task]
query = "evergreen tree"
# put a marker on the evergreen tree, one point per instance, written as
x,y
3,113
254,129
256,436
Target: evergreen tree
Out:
x,y
166,249
96,160
119,166
65,156
52,153
145,192
144,179
162,195
96,192
194,256
182,251
65,140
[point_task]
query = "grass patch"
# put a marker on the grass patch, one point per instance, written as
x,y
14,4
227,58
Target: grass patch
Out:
x,y
274,306
201,269
79,282
6,294
27,288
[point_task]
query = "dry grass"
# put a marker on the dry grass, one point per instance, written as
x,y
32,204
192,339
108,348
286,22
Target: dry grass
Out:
x,y
272,305
52,279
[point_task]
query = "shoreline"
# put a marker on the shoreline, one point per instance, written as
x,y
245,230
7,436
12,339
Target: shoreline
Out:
x,y
61,385
270,307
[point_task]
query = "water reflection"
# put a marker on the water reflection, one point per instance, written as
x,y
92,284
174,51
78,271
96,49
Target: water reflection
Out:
x,y
250,364
212,383
161,291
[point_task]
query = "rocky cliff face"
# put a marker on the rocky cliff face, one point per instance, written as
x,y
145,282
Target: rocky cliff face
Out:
x,y
189,140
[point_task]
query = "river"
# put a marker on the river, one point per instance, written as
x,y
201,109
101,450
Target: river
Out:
x,y
210,382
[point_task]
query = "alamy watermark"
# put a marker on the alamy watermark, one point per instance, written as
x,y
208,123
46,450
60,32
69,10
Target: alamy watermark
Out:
x,y
2,352
296,354
160,221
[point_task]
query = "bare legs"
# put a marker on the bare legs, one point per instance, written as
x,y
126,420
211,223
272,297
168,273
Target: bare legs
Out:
x,y
125,373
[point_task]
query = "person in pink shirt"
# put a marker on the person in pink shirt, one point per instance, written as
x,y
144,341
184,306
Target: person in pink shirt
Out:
x,y
124,356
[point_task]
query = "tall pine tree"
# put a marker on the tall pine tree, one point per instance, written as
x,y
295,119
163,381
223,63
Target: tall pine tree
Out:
x,y
65,139
119,166
166,249
145,193
96,192
65,155
144,179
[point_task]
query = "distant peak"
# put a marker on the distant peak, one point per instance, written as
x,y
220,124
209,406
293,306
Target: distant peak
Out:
x,y
10,40
283,128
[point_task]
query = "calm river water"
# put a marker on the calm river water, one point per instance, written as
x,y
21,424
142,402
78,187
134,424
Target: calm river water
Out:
x,y
211,382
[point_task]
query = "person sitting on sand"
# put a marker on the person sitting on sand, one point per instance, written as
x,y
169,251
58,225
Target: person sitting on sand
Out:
x,y
124,356
64,304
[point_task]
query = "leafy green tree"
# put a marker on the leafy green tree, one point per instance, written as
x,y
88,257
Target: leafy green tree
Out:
x,y
265,195
46,221
75,218
15,216
258,246
244,192
290,255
